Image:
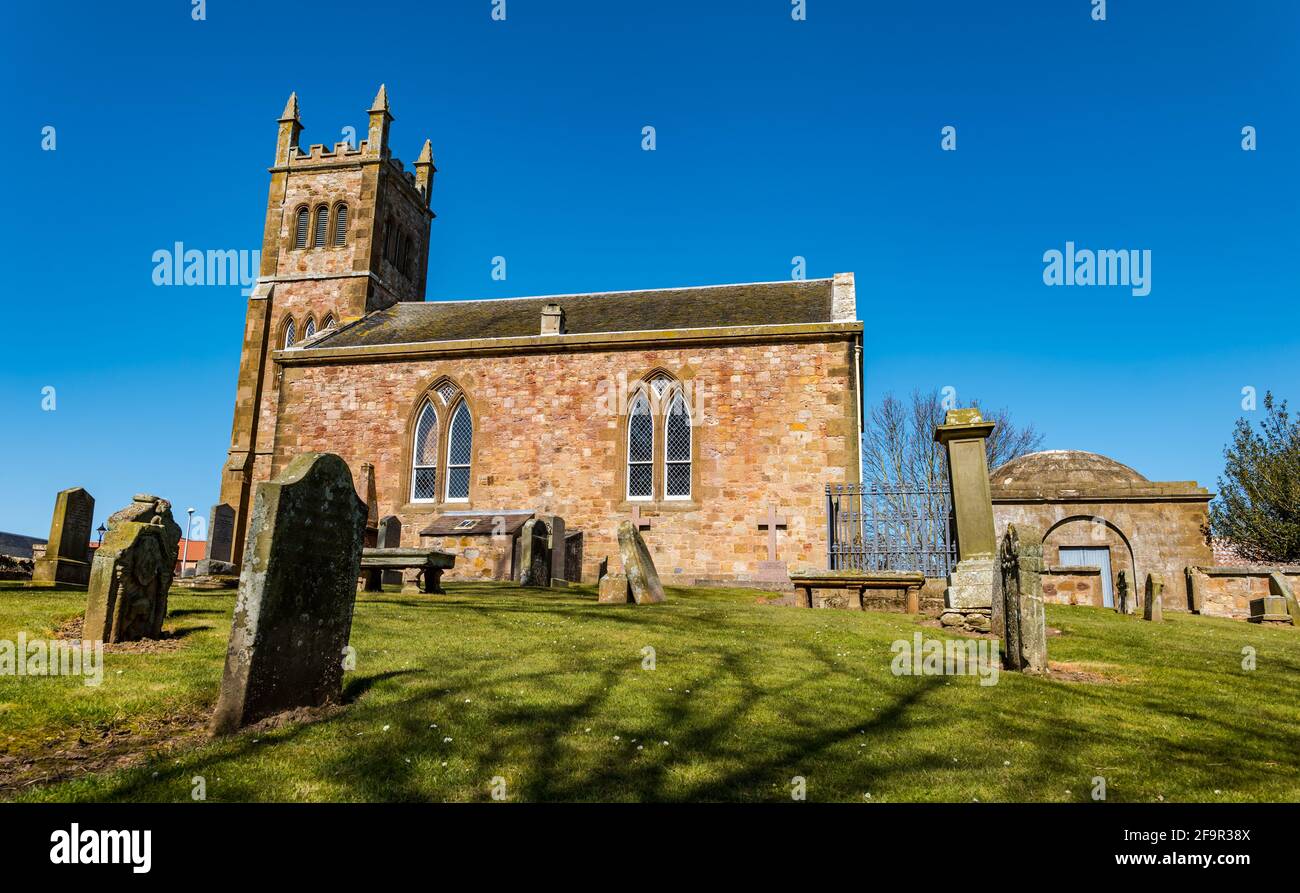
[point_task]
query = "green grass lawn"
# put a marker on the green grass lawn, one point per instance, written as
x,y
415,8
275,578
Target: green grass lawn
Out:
x,y
546,690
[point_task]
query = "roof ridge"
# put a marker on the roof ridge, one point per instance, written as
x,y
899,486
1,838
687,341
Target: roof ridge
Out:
x,y
632,291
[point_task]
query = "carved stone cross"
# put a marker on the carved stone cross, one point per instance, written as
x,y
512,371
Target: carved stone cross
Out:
x,y
637,521
773,523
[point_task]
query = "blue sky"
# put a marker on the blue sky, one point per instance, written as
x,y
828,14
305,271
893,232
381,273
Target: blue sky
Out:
x,y
775,138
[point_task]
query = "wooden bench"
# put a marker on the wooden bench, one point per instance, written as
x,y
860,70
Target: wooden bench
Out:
x,y
861,581
421,569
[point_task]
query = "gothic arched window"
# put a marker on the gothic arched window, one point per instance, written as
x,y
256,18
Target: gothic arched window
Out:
x,y
329,321
340,224
300,229
460,450
640,449
290,334
424,472
677,450
309,330
322,226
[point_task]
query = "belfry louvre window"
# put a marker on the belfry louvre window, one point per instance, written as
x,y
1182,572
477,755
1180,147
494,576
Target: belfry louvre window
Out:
x,y
302,226
424,474
677,451
340,224
640,449
460,447
322,226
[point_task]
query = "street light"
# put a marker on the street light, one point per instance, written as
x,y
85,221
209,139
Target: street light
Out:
x,y
100,531
189,531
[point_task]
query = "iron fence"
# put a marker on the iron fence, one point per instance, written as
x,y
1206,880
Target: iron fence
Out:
x,y
871,527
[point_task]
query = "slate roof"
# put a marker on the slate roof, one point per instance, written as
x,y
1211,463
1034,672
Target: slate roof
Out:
x,y
752,304
17,545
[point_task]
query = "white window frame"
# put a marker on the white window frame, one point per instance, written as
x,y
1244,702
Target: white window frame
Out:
x,y
673,396
640,398
427,406
447,465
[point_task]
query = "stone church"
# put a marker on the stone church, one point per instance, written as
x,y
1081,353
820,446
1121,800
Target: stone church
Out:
x,y
709,414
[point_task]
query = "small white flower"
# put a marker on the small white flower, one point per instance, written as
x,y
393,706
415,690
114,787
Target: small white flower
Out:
x,y
446,740
386,728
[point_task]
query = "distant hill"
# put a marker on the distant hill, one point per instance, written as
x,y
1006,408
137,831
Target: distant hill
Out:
x,y
17,545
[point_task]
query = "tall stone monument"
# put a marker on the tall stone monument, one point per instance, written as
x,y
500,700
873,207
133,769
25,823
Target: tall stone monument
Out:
x,y
366,490
1125,593
1024,621
968,601
297,588
132,572
67,555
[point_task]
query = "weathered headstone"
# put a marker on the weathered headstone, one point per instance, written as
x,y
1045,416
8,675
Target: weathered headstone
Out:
x,y
1279,606
390,537
639,566
1124,592
297,588
221,533
132,572
603,567
559,572
1024,621
67,555
366,490
534,553
773,570
1153,608
614,590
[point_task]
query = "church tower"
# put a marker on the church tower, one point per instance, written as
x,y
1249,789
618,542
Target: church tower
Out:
x,y
346,233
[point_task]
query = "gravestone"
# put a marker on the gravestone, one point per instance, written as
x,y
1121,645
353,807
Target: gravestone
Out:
x,y
559,558
132,572
603,567
1125,597
390,537
534,553
67,555
366,490
1024,637
221,533
773,570
1154,609
573,545
639,566
968,600
297,588
614,590
1278,607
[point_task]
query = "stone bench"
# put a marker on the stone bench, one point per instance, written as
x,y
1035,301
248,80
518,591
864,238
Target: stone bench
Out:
x,y
421,569
861,581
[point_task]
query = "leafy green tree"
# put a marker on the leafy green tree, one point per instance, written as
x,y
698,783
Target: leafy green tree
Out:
x,y
1258,506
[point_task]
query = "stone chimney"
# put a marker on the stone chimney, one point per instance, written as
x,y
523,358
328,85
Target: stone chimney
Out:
x,y
552,320
844,301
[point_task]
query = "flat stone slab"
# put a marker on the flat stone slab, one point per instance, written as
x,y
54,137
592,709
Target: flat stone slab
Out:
x,y
397,559
866,579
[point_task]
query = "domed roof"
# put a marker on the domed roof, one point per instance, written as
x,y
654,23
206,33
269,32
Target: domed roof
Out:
x,y
1073,469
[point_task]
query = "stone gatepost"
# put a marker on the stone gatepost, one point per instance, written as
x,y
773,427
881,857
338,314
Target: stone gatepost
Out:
x,y
968,600
1024,621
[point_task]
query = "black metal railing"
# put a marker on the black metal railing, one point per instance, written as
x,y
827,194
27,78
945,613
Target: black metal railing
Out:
x,y
874,528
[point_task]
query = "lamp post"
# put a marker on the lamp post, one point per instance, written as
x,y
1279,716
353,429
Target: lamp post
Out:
x,y
189,531
100,530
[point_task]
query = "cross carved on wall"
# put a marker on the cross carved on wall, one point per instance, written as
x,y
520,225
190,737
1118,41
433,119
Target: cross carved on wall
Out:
x,y
637,521
773,522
